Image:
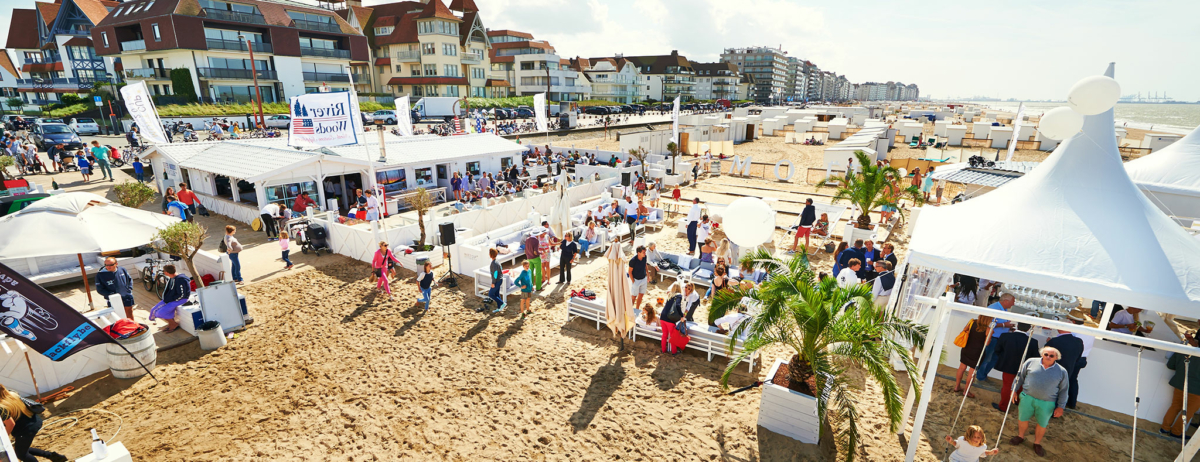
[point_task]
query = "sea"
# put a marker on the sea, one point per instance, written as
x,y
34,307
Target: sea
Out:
x,y
1167,118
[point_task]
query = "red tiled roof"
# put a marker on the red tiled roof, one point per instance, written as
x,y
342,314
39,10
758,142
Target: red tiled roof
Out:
x,y
428,80
95,10
384,22
383,61
436,9
465,6
7,64
79,42
513,33
42,67
464,31
22,31
405,32
49,11
497,83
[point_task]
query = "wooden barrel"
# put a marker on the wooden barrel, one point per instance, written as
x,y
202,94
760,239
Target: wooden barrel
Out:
x,y
142,347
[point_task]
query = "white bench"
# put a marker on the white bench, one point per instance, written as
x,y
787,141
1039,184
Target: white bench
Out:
x,y
701,339
592,310
63,275
483,284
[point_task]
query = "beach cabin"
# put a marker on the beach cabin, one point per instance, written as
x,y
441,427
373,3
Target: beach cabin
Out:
x,y
981,130
1120,135
1001,136
939,127
955,134
837,128
1158,141
1045,144
910,129
1026,133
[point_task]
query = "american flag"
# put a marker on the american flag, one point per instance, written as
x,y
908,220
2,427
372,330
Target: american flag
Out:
x,y
305,127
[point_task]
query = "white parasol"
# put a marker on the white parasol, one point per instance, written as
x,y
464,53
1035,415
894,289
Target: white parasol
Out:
x,y
560,215
77,223
618,306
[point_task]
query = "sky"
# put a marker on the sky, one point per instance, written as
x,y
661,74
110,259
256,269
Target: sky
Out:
x,y
952,49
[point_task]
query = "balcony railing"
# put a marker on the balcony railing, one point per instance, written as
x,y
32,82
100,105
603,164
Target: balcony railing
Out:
x,y
325,52
146,73
408,55
318,26
326,77
236,74
57,83
234,16
133,45
42,102
472,58
683,80
237,45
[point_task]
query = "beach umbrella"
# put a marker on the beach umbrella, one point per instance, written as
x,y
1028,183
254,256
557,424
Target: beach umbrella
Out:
x,y
77,223
560,214
618,306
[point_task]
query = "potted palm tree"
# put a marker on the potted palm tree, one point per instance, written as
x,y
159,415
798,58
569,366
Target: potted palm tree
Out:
x,y
829,329
873,186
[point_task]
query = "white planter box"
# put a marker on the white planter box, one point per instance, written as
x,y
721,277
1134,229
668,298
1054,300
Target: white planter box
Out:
x,y
409,262
851,234
787,412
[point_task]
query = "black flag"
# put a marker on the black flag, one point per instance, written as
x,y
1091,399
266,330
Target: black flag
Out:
x,y
43,322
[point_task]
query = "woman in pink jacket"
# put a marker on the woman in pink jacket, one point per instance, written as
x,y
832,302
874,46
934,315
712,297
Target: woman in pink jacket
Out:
x,y
382,261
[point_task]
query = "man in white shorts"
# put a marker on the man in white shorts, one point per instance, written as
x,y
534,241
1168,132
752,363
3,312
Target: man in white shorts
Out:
x,y
637,275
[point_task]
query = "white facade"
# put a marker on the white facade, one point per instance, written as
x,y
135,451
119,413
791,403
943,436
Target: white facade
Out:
x,y
611,84
564,84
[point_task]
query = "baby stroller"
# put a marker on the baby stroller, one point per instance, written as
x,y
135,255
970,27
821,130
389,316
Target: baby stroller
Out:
x,y
67,162
316,239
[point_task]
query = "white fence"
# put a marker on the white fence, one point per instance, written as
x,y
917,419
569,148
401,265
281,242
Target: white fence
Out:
x,y
15,372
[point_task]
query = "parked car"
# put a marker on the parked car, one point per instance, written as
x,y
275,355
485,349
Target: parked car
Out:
x,y
283,121
46,135
8,118
524,112
596,110
85,125
500,114
388,116
50,121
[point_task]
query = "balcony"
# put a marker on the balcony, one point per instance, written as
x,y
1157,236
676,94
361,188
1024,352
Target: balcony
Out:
x,y
234,16
234,74
325,52
682,80
318,26
408,56
326,77
472,58
237,45
147,73
42,102
36,84
133,45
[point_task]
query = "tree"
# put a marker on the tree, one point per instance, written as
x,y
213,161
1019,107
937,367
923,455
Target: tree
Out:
x,y
674,150
828,329
181,82
133,193
873,186
640,154
182,240
420,201
15,104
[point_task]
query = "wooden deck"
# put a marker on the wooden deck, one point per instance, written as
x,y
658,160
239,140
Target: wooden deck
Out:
x,y
75,296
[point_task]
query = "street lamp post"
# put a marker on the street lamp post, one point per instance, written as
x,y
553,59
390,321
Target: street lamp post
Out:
x,y
254,74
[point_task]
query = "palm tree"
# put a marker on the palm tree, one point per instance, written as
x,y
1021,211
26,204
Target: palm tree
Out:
x,y
829,329
873,187
421,201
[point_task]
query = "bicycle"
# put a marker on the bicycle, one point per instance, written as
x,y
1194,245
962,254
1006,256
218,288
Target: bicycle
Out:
x,y
154,280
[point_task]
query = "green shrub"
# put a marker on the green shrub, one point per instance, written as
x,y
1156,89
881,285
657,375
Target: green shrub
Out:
x,y
70,99
206,110
181,81
68,110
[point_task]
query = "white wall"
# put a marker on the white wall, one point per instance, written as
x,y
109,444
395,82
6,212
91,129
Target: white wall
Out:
x,y
291,75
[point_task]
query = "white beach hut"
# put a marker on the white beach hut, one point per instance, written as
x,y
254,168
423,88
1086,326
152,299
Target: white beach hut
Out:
x,y
1171,177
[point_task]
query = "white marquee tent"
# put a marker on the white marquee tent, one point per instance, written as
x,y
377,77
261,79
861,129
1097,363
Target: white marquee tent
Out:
x,y
1171,176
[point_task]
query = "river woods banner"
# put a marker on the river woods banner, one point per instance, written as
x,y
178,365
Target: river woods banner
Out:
x,y
323,119
43,322
141,109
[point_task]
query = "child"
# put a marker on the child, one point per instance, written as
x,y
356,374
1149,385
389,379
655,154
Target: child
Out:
x,y
971,447
139,170
525,282
283,245
85,167
425,284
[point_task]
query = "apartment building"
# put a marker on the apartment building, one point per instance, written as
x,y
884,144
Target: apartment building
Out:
x,y
890,91
532,66
769,67
795,86
611,79
296,48
8,79
665,77
721,80
53,51
423,48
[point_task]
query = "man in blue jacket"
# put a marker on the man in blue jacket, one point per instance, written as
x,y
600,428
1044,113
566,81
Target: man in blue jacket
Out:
x,y
114,279
177,292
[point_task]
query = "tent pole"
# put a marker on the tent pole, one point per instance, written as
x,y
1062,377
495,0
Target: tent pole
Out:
x,y
31,376
86,288
943,313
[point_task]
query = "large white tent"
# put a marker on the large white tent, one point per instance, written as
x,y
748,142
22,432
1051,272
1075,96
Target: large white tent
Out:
x,y
1171,176
1075,224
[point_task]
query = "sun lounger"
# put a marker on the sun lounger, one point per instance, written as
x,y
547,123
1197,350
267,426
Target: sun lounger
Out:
x,y
710,343
592,310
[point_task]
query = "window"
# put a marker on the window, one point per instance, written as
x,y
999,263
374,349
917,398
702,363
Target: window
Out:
x,y
232,35
392,180
431,90
451,90
431,69
398,89
311,17
527,66
450,70
318,43
424,176
477,73
384,30
399,68
416,69
104,35
217,5
166,89
157,33
505,163
234,63
428,49
449,49
287,193
437,27
418,91
323,68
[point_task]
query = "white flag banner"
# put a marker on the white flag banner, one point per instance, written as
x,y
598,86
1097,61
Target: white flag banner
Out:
x,y
1012,147
322,119
355,110
675,123
539,111
404,116
141,108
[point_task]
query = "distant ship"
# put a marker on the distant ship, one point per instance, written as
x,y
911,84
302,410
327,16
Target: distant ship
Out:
x,y
1151,99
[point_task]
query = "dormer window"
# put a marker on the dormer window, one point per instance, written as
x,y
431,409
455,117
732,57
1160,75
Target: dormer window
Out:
x,y
437,27
384,30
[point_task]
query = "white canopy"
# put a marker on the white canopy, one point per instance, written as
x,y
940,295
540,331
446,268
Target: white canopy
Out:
x,y
77,222
1171,176
1076,224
